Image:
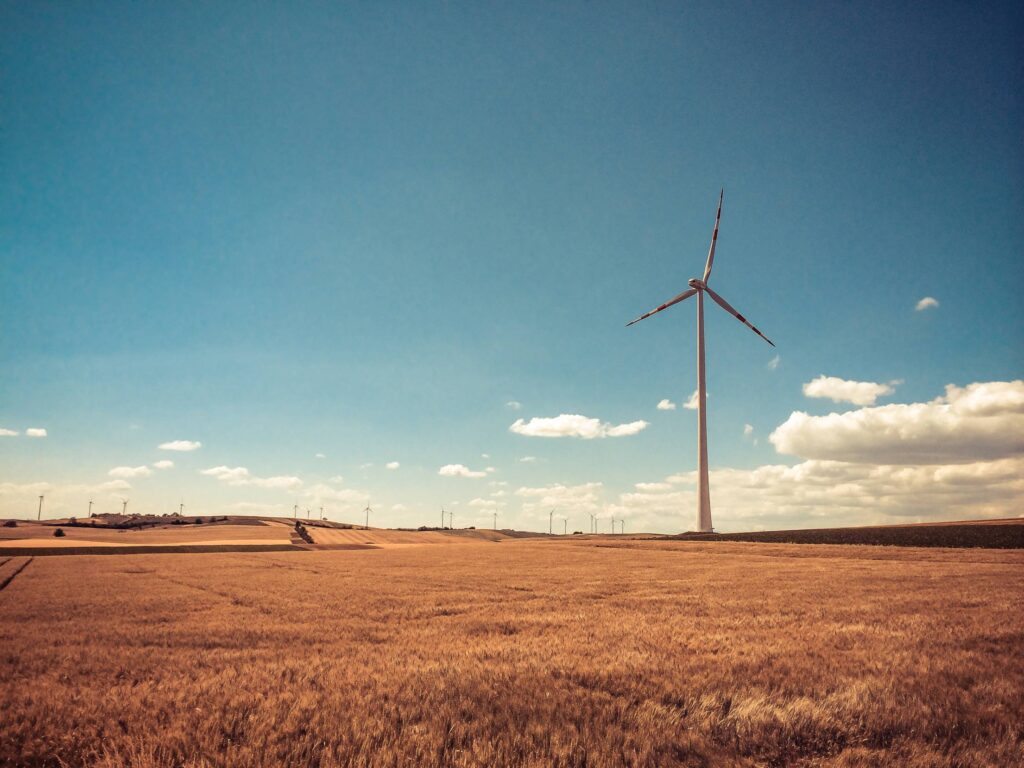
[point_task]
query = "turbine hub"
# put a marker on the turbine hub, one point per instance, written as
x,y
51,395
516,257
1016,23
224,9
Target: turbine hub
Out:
x,y
695,283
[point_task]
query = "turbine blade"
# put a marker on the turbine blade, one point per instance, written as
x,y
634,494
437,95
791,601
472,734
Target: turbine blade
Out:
x,y
714,238
681,297
728,308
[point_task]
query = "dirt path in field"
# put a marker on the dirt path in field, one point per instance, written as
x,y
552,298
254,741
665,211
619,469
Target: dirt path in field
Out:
x,y
17,569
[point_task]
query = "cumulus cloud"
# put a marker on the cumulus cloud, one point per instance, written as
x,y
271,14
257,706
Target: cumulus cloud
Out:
x,y
320,494
7,432
982,421
693,401
461,470
748,430
574,425
581,499
486,504
61,500
163,464
829,493
926,303
653,486
35,432
130,472
181,445
392,465
515,405
842,391
241,476
666,405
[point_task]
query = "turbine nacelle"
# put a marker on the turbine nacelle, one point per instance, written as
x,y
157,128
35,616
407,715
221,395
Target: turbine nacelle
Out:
x,y
696,283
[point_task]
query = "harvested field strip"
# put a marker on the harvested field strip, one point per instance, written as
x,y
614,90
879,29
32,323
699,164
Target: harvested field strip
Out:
x,y
18,568
160,549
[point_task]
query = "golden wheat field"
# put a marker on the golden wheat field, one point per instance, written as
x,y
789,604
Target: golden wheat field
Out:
x,y
586,652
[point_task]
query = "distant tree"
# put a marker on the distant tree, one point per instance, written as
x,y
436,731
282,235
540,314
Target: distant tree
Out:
x,y
10,524
198,521
59,533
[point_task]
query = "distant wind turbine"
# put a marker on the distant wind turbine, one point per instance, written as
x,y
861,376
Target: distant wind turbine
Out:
x,y
700,287
90,507
367,511
124,507
551,518
40,515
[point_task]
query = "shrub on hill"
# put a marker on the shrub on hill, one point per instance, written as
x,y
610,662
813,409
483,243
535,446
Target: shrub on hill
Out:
x,y
59,533
10,524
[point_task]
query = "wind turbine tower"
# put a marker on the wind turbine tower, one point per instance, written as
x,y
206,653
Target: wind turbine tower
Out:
x,y
39,516
124,507
551,519
699,287
90,507
367,511
495,520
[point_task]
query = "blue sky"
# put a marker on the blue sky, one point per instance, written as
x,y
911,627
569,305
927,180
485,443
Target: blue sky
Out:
x,y
362,230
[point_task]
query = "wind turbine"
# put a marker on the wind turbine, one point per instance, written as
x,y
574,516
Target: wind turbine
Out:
x,y
90,507
495,520
124,507
40,515
700,287
442,518
551,518
367,511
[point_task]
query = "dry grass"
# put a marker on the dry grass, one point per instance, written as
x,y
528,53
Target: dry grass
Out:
x,y
526,653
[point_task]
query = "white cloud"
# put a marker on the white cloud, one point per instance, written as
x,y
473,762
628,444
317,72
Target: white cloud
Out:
x,y
319,456
773,364
830,493
7,432
841,391
574,425
241,476
515,405
461,470
336,479
392,465
693,401
653,486
666,405
567,499
748,430
35,432
61,500
528,460
488,504
982,421
399,508
485,455
367,465
926,303
181,445
130,472
163,464
320,493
